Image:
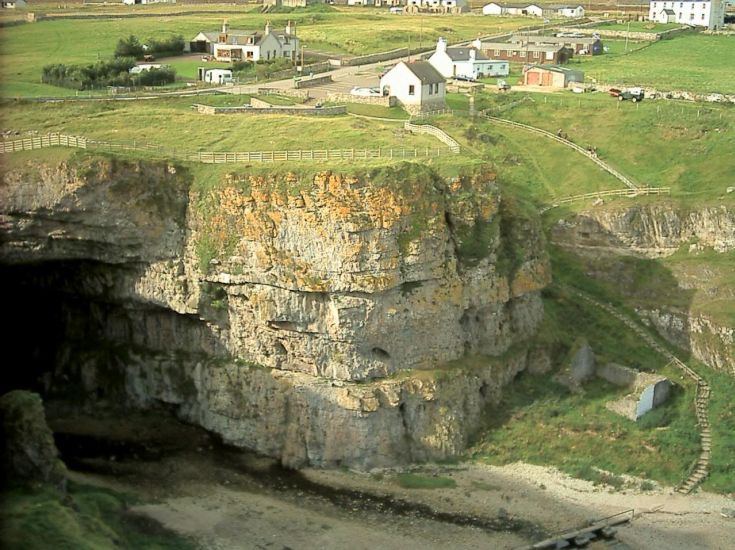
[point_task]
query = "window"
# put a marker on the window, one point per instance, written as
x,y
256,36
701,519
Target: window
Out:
x,y
691,16
411,89
436,88
536,55
497,53
702,17
431,88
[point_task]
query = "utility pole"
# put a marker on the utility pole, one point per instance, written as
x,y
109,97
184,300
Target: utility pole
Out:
x,y
627,34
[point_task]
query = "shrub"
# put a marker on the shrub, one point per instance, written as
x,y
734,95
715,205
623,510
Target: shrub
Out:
x,y
173,45
113,72
156,77
129,47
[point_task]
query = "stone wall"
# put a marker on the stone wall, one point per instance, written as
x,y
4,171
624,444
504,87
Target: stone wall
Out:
x,y
384,101
632,35
268,109
312,81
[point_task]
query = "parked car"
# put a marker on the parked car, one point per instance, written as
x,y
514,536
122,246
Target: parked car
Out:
x,y
464,78
632,94
503,86
365,92
615,92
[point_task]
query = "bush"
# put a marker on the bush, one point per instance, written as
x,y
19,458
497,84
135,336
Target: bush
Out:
x,y
156,77
173,45
129,47
114,72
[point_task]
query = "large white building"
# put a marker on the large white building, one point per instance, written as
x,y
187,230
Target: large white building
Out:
x,y
698,13
533,10
466,62
233,45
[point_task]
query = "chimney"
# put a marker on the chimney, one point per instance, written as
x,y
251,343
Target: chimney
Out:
x,y
473,52
441,45
224,26
290,28
477,43
268,27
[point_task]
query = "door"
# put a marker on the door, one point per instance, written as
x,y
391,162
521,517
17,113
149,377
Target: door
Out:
x,y
548,79
532,78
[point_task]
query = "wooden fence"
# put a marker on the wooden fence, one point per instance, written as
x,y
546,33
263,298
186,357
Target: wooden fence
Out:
x,y
441,135
50,140
213,157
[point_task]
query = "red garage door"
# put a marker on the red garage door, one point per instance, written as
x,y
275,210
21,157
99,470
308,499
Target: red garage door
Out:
x,y
532,78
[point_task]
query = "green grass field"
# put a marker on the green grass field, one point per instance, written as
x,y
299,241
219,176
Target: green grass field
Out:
x,y
676,144
528,165
692,62
172,124
25,49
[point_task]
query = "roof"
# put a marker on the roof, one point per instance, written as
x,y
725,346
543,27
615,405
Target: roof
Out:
x,y
513,5
521,47
463,54
243,38
425,72
552,39
669,12
555,69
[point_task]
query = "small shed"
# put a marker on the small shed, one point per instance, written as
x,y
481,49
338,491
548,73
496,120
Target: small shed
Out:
x,y
551,76
215,76
666,16
648,390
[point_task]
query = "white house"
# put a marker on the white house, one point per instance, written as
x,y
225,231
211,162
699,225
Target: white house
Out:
x,y
569,10
437,6
533,10
360,2
469,63
700,13
12,4
418,86
235,45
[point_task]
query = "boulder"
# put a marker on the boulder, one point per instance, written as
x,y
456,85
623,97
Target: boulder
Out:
x,y
29,453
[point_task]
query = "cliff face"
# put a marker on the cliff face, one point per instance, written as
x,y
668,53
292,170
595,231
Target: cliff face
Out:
x,y
311,319
651,230
686,297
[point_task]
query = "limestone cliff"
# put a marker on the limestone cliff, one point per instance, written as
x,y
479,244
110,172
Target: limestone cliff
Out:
x,y
324,319
652,230
688,297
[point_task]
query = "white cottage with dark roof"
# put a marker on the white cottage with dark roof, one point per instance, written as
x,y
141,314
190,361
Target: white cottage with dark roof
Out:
x,y
417,86
466,62
238,45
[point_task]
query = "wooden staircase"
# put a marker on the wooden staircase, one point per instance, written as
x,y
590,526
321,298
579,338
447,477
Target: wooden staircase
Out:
x,y
700,469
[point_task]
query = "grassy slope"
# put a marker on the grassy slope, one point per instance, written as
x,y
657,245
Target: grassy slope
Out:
x,y
172,123
692,62
89,518
674,144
